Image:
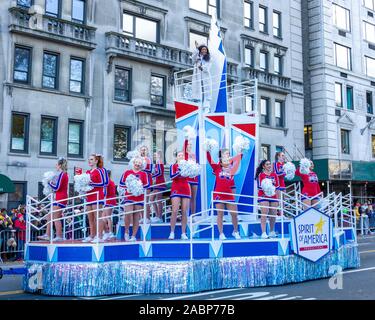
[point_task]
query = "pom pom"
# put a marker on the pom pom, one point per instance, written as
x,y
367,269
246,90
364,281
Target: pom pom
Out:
x,y
268,188
48,177
82,183
240,144
290,170
304,166
132,154
134,185
210,145
189,133
189,168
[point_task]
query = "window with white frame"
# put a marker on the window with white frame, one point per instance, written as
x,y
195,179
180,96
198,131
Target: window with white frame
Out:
x,y
263,61
370,66
264,111
338,94
345,141
341,18
276,20
140,28
277,64
263,27
248,14
249,56
279,114
206,6
343,56
369,30
369,4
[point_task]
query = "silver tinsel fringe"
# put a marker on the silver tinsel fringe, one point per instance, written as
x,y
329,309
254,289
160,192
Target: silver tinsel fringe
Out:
x,y
130,277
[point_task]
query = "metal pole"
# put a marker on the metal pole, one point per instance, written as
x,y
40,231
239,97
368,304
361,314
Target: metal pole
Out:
x,y
144,216
282,215
51,219
97,217
191,238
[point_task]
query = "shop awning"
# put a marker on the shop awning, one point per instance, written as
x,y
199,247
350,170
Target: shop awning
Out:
x,y
6,185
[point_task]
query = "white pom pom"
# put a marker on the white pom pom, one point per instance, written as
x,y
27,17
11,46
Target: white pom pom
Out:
x,y
304,166
240,144
48,177
210,144
268,188
134,185
290,170
82,183
132,154
189,133
189,168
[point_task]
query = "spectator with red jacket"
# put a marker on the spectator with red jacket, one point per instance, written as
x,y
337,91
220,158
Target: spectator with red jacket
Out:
x,y
20,226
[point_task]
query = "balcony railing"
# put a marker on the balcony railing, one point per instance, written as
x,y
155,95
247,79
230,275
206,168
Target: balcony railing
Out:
x,y
47,27
149,51
269,80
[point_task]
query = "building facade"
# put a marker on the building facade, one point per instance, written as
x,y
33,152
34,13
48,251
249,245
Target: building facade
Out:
x,y
339,64
80,78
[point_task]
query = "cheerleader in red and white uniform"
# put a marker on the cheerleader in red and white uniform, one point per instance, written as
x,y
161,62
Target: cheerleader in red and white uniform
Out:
x,y
95,197
148,170
180,195
269,203
60,187
110,203
158,188
192,181
225,188
133,204
311,192
278,168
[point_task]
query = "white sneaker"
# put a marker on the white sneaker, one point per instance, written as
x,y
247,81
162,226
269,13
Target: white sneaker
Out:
x,y
273,234
127,237
264,236
254,236
111,236
236,235
171,236
87,239
184,236
97,239
132,239
147,221
43,237
156,220
57,239
106,236
222,236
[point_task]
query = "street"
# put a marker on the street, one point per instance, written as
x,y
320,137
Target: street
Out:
x,y
355,284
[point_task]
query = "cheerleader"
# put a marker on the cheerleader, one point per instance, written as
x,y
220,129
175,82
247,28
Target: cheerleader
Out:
x,y
311,190
269,203
157,190
133,204
278,168
193,182
148,170
95,197
60,187
225,188
180,196
110,203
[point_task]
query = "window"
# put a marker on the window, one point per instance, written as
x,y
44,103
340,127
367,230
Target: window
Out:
x,y
338,94
158,90
308,137
370,67
369,104
25,3
343,57
369,4
279,113
249,104
201,39
19,196
349,98
341,18
76,75
263,61
122,84
249,57
248,14
373,145
50,70
206,6
264,111
369,30
276,19
75,138
263,19
277,65
53,7
78,10
48,136
121,142
20,133
22,65
265,152
345,144
140,28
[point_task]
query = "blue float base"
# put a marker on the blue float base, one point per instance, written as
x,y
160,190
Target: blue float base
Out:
x,y
148,277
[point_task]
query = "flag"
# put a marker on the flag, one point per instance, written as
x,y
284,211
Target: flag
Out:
x,y
218,69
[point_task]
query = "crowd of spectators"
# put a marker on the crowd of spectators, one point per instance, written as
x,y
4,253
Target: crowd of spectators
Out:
x,y
365,216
